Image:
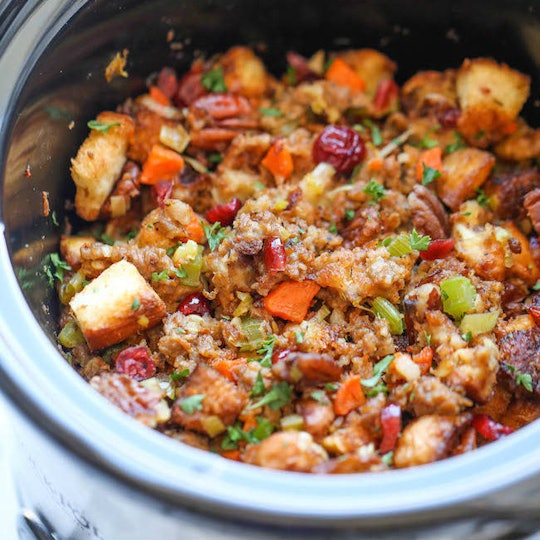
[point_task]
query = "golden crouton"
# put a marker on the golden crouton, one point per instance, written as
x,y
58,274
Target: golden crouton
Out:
x,y
430,90
99,163
70,249
521,145
491,96
464,171
115,305
370,65
244,72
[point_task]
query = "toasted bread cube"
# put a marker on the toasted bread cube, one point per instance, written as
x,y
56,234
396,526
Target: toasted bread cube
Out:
x,y
370,65
491,96
464,171
244,72
70,249
427,90
521,145
115,305
99,162
481,250
523,264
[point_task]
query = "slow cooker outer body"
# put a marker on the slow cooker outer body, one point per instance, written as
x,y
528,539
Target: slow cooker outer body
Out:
x,y
85,469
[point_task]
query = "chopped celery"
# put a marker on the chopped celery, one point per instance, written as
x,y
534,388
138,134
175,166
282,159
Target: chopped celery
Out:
x,y
253,333
479,323
188,257
245,304
71,335
384,309
458,296
72,287
294,422
400,246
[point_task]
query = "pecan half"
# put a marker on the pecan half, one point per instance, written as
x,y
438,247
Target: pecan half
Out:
x,y
428,214
532,204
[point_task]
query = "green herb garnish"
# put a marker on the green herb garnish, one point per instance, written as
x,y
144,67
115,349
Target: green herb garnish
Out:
x,y
258,386
54,268
136,304
378,370
266,350
215,157
429,174
349,214
215,234
100,126
213,80
481,198
279,395
419,242
160,276
192,403
320,396
270,111
457,145
375,191
179,375
376,136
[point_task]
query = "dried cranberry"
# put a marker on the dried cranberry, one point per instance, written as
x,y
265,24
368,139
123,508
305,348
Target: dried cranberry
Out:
x,y
449,118
221,106
136,363
387,91
391,426
167,82
280,354
340,146
162,191
489,429
194,304
224,213
274,254
534,312
438,249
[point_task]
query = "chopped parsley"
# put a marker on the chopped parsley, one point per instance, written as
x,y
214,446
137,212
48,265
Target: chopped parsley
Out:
x,y
467,336
215,157
333,228
523,379
419,242
180,273
266,350
270,111
376,137
375,191
331,386
481,198
429,174
54,219
388,458
320,396
378,370
136,304
214,234
54,268
179,375
258,386
349,214
235,434
291,75
376,390
280,394
101,126
427,142
170,251
428,338
106,239
192,403
133,233
299,336
160,276
457,145
536,286
213,80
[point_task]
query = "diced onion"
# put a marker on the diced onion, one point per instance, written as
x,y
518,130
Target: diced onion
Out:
x,y
245,304
175,137
213,425
479,323
71,335
253,333
119,206
458,296
292,422
384,309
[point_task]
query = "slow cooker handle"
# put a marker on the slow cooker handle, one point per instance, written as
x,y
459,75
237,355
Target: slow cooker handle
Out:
x,y
32,527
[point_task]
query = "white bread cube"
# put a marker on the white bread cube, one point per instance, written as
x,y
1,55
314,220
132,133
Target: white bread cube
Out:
x,y
99,163
116,305
491,96
70,249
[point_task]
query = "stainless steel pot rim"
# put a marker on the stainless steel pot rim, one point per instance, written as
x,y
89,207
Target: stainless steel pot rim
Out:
x,y
97,432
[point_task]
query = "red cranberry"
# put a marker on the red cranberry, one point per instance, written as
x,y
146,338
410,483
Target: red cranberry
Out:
x,y
534,312
340,146
162,191
274,254
489,429
194,304
387,91
391,426
449,118
438,249
280,354
224,213
136,363
167,82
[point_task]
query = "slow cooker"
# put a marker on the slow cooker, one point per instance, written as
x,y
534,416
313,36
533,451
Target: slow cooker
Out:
x,y
83,469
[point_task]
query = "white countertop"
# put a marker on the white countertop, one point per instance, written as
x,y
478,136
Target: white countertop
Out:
x,y
8,504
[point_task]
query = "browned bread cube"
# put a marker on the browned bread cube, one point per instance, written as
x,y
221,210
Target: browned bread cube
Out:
x,y
99,162
70,249
115,305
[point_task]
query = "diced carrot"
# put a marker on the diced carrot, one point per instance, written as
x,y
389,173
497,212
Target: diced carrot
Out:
x,y
424,359
227,367
429,158
231,454
510,128
278,161
161,164
249,423
290,300
157,95
349,396
194,229
342,74
375,165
